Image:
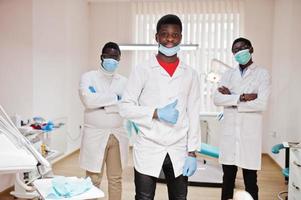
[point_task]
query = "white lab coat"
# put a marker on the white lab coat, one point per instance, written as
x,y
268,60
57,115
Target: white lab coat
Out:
x,y
101,118
241,128
150,87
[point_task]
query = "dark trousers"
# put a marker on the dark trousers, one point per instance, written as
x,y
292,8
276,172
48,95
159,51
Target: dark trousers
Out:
x,y
250,180
146,185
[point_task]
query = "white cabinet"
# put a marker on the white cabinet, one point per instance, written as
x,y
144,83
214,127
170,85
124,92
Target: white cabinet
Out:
x,y
57,143
55,140
294,188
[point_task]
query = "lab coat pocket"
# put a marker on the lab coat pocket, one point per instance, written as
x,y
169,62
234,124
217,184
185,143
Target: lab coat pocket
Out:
x,y
252,125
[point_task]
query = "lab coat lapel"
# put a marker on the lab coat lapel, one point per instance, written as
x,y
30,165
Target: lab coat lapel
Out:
x,y
249,71
179,71
155,65
114,86
163,72
111,80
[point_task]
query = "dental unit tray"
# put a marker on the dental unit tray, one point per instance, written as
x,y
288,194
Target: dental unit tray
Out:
x,y
19,156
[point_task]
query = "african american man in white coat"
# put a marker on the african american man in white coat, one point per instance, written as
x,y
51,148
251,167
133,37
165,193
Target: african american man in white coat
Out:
x,y
104,139
243,92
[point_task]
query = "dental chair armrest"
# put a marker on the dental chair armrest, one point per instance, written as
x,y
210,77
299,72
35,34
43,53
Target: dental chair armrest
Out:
x,y
209,150
277,147
286,172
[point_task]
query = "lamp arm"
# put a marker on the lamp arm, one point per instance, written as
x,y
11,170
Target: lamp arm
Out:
x,y
220,62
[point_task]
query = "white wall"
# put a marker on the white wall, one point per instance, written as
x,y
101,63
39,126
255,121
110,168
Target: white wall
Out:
x,y
274,29
16,56
15,62
77,61
285,109
60,56
44,50
110,21
258,26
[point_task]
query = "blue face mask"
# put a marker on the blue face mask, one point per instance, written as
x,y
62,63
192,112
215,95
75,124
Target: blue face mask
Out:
x,y
243,56
169,51
109,64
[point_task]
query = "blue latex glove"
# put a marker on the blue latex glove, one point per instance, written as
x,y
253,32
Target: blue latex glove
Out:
x,y
92,89
48,127
168,113
189,166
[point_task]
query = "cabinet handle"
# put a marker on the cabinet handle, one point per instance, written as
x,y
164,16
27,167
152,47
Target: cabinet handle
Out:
x,y
295,163
295,186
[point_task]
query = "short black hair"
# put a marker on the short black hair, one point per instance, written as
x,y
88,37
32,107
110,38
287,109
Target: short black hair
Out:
x,y
244,40
169,19
111,45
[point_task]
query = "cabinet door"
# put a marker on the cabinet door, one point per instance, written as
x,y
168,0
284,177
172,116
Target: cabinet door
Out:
x,y
295,174
58,140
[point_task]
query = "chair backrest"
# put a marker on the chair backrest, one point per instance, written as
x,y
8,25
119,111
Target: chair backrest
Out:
x,y
276,148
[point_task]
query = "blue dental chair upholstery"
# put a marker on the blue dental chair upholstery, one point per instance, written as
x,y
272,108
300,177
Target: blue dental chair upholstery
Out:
x,y
276,149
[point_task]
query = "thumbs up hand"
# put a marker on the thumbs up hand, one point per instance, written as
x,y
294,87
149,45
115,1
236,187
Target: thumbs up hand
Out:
x,y
169,113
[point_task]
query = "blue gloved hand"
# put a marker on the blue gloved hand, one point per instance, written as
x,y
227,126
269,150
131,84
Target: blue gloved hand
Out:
x,y
168,113
92,89
189,166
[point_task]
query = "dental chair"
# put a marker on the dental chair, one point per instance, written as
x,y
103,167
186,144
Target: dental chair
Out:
x,y
283,195
209,171
19,156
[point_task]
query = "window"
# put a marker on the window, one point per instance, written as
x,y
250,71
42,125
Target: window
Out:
x,y
211,24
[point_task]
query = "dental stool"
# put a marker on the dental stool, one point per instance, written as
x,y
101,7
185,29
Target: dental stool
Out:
x,y
283,195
